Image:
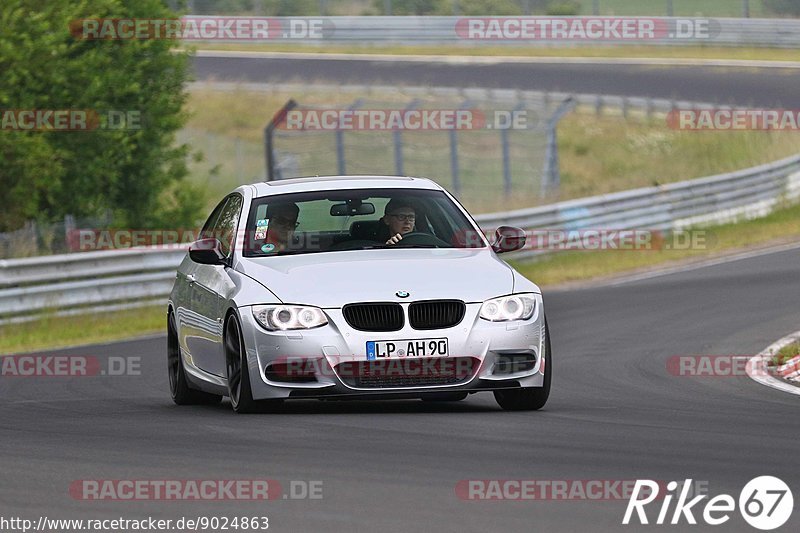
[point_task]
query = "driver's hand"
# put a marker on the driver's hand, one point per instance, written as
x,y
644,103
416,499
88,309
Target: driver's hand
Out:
x,y
394,240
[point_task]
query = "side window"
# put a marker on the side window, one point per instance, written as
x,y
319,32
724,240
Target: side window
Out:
x,y
208,227
225,228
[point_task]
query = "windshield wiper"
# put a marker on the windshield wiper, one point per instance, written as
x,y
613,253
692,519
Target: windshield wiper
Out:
x,y
364,247
391,246
275,254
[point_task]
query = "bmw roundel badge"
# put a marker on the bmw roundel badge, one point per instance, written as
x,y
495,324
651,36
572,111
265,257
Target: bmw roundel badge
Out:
x,y
402,294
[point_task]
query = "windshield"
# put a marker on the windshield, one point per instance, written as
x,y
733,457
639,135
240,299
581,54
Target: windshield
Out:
x,y
327,221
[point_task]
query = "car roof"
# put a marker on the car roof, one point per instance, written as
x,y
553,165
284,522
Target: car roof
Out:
x,y
338,183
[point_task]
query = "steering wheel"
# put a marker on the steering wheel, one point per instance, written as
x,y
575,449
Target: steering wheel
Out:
x,y
421,238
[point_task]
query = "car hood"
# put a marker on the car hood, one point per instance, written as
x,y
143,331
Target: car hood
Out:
x,y
333,279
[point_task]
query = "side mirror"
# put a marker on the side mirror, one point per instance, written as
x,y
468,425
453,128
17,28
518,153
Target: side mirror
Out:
x,y
508,239
207,252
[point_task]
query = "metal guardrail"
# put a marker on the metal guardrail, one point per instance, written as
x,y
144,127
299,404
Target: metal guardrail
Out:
x,y
435,30
123,279
675,206
90,281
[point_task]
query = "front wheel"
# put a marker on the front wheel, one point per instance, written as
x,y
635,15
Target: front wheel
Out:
x,y
530,398
178,384
238,372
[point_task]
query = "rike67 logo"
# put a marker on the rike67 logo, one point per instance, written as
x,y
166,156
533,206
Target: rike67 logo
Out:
x,y
765,503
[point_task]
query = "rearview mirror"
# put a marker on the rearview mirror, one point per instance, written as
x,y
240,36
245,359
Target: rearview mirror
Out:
x,y
207,252
353,207
508,239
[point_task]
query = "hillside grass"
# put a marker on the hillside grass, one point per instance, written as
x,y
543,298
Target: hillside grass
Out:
x,y
598,154
49,331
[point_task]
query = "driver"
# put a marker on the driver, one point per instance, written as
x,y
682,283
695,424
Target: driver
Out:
x,y
400,216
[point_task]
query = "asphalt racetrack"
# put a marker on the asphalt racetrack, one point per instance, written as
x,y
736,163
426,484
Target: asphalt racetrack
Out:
x,y
766,87
615,413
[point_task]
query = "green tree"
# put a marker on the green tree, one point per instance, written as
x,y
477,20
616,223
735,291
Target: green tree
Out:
x,y
134,173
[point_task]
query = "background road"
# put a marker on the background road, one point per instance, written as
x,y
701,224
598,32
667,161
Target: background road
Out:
x,y
615,413
767,87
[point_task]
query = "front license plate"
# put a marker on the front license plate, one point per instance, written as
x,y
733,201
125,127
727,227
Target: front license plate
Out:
x,y
407,348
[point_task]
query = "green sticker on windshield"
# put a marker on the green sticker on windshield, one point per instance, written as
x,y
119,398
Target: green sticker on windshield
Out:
x,y
262,225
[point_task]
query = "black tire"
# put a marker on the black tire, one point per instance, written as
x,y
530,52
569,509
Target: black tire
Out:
x,y
238,373
179,388
530,398
444,397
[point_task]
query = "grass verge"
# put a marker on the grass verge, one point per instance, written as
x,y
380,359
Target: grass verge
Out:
x,y
632,51
784,354
572,266
50,331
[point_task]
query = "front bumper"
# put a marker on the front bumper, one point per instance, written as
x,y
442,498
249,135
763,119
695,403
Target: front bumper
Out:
x,y
331,361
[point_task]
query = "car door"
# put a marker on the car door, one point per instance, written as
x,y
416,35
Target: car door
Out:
x,y
208,287
191,330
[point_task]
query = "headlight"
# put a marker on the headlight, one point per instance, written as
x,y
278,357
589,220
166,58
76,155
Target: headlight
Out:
x,y
283,317
513,307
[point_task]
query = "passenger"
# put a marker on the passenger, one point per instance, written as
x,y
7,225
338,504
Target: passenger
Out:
x,y
282,223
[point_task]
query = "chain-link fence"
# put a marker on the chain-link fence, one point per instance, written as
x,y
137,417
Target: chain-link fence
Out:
x,y
487,152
